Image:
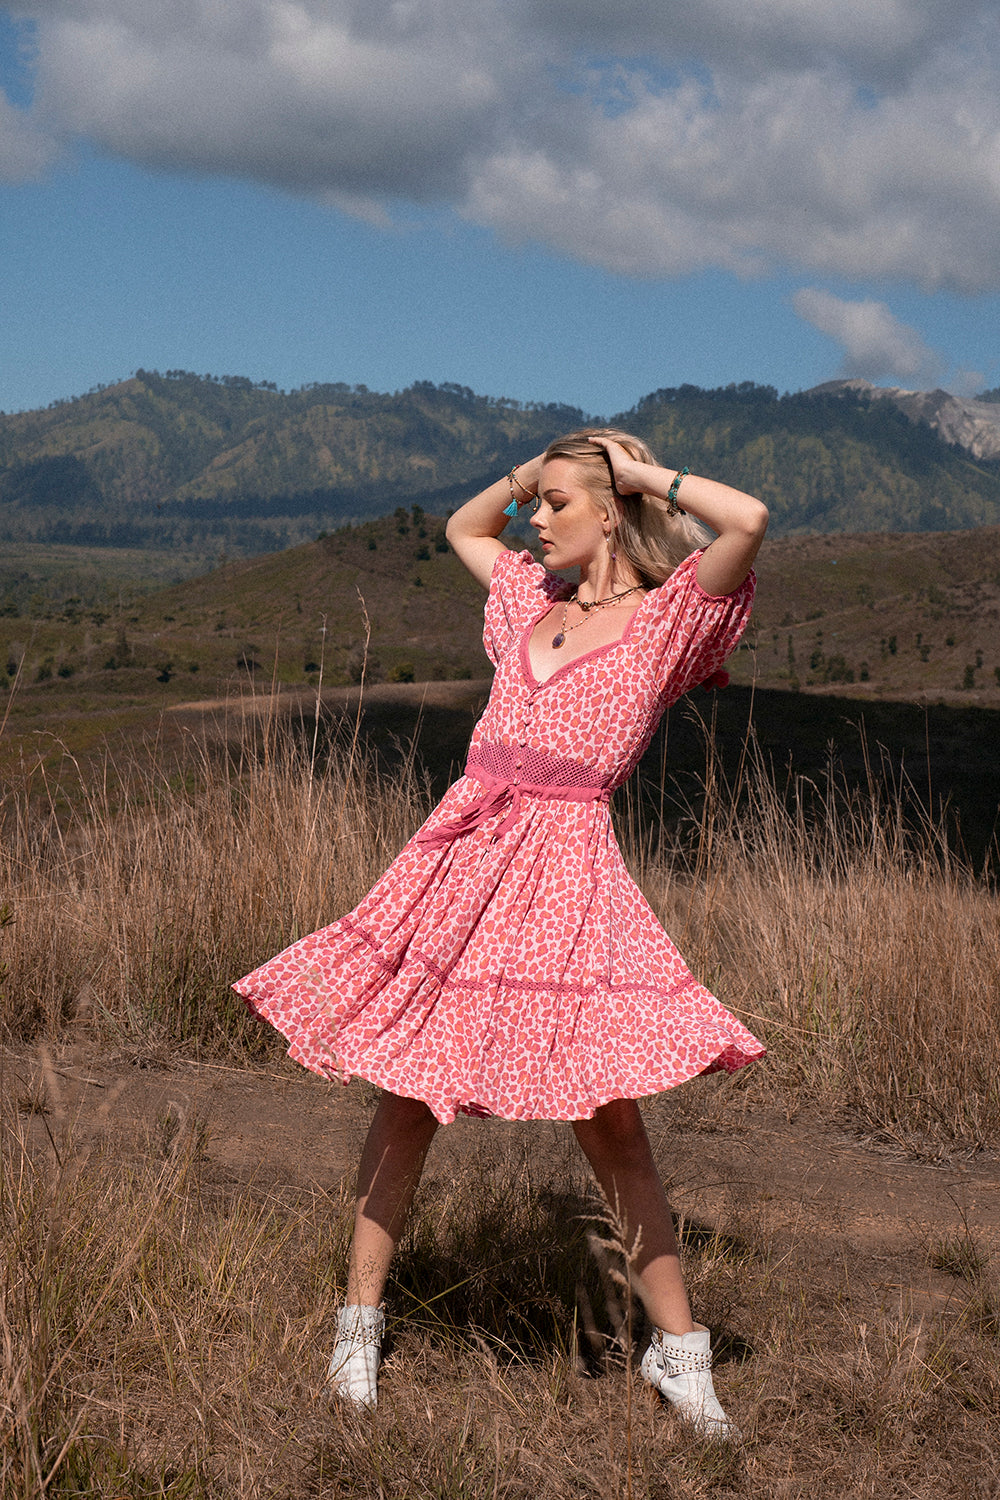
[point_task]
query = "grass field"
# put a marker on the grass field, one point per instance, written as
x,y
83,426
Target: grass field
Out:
x,y
163,1322
877,618
37,577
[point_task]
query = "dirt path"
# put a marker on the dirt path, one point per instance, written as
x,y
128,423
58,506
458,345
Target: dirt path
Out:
x,y
824,1200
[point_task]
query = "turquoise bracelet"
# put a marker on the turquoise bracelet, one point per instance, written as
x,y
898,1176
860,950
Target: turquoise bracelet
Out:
x,y
673,508
515,504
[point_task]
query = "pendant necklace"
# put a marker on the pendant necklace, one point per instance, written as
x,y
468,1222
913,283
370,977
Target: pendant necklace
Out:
x,y
586,605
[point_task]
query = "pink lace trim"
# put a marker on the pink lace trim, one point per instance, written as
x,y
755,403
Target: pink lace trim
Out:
x,y
508,772
499,982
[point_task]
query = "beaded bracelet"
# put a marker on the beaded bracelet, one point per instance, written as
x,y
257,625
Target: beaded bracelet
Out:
x,y
673,509
528,494
515,504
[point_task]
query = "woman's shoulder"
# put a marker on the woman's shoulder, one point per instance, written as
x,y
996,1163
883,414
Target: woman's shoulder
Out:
x,y
520,590
521,574
686,633
682,589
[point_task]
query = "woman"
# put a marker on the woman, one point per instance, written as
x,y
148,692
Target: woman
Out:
x,y
506,963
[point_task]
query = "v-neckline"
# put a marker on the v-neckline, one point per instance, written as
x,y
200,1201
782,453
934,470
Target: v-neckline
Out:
x,y
525,656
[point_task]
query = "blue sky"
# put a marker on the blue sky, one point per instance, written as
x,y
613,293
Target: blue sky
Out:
x,y
554,200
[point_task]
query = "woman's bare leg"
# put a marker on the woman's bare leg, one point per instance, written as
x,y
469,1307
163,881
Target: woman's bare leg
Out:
x,y
617,1147
391,1163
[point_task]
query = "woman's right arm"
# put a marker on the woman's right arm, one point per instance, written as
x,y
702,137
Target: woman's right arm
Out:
x,y
474,530
738,520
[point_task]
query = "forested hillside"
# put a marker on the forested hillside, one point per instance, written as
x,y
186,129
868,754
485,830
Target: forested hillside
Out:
x,y
192,460
203,463
822,463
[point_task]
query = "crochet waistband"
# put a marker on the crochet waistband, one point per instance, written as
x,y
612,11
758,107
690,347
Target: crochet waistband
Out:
x,y
508,772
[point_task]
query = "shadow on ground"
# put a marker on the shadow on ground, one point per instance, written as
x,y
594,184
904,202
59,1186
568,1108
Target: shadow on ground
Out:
x,y
940,757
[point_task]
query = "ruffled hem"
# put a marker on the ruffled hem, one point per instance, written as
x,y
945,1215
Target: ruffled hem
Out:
x,y
515,1050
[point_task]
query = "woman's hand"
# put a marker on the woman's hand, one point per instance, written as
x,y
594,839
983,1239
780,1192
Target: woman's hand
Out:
x,y
623,465
738,520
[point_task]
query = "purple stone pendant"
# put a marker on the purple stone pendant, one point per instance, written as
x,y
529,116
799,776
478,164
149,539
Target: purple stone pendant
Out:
x,y
557,640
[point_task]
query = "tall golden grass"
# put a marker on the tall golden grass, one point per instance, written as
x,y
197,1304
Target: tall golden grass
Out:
x,y
164,1337
838,924
138,892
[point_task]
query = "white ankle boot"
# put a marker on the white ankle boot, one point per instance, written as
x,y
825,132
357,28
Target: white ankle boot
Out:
x,y
680,1367
353,1372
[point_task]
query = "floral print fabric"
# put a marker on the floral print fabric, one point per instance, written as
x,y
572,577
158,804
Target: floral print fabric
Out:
x,y
522,973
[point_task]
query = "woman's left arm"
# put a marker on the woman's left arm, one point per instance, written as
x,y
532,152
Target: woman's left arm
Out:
x,y
474,530
739,521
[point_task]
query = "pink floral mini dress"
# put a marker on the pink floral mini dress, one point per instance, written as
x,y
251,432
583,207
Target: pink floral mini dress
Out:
x,y
506,963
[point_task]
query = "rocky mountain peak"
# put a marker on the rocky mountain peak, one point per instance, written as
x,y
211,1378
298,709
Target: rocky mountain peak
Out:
x,y
962,420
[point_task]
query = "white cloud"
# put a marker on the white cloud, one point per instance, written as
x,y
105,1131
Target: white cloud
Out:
x,y
854,139
25,150
293,94
874,341
786,170
878,43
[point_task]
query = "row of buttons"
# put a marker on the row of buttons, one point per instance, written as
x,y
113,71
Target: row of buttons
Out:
x,y
522,744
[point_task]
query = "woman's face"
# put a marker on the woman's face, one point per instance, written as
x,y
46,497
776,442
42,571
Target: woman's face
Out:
x,y
571,528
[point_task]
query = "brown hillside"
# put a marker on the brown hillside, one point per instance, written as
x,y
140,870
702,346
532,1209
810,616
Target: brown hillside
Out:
x,y
914,617
911,618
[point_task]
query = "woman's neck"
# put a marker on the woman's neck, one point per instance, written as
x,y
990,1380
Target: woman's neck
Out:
x,y
600,580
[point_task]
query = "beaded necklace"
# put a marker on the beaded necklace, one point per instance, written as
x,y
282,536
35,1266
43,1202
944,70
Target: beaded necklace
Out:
x,y
586,605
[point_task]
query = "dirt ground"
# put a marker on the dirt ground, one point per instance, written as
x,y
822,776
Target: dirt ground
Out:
x,y
841,1211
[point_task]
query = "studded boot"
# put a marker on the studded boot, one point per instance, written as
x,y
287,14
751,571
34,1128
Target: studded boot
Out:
x,y
354,1366
680,1367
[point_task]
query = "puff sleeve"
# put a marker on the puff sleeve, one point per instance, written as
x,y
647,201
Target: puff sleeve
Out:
x,y
688,633
520,590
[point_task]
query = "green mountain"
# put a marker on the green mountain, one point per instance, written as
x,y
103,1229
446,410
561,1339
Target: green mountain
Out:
x,y
186,460
822,462
201,464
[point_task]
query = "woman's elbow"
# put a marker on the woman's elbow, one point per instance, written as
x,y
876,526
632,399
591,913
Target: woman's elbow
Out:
x,y
453,528
755,517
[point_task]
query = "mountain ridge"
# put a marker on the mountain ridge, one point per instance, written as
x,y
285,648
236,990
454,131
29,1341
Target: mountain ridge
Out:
x,y
966,422
224,464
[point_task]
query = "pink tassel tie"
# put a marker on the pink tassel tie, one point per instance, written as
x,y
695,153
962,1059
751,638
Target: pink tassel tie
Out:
x,y
508,773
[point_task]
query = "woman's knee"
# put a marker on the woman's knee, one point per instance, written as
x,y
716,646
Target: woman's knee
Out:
x,y
399,1115
616,1131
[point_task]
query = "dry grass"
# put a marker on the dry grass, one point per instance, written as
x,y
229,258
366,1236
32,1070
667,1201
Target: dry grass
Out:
x,y
165,1337
842,928
138,895
848,936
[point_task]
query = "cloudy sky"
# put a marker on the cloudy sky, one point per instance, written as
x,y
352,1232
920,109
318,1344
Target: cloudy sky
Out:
x,y
556,200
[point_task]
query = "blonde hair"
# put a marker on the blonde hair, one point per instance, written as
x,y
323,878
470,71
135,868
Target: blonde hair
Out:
x,y
645,536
